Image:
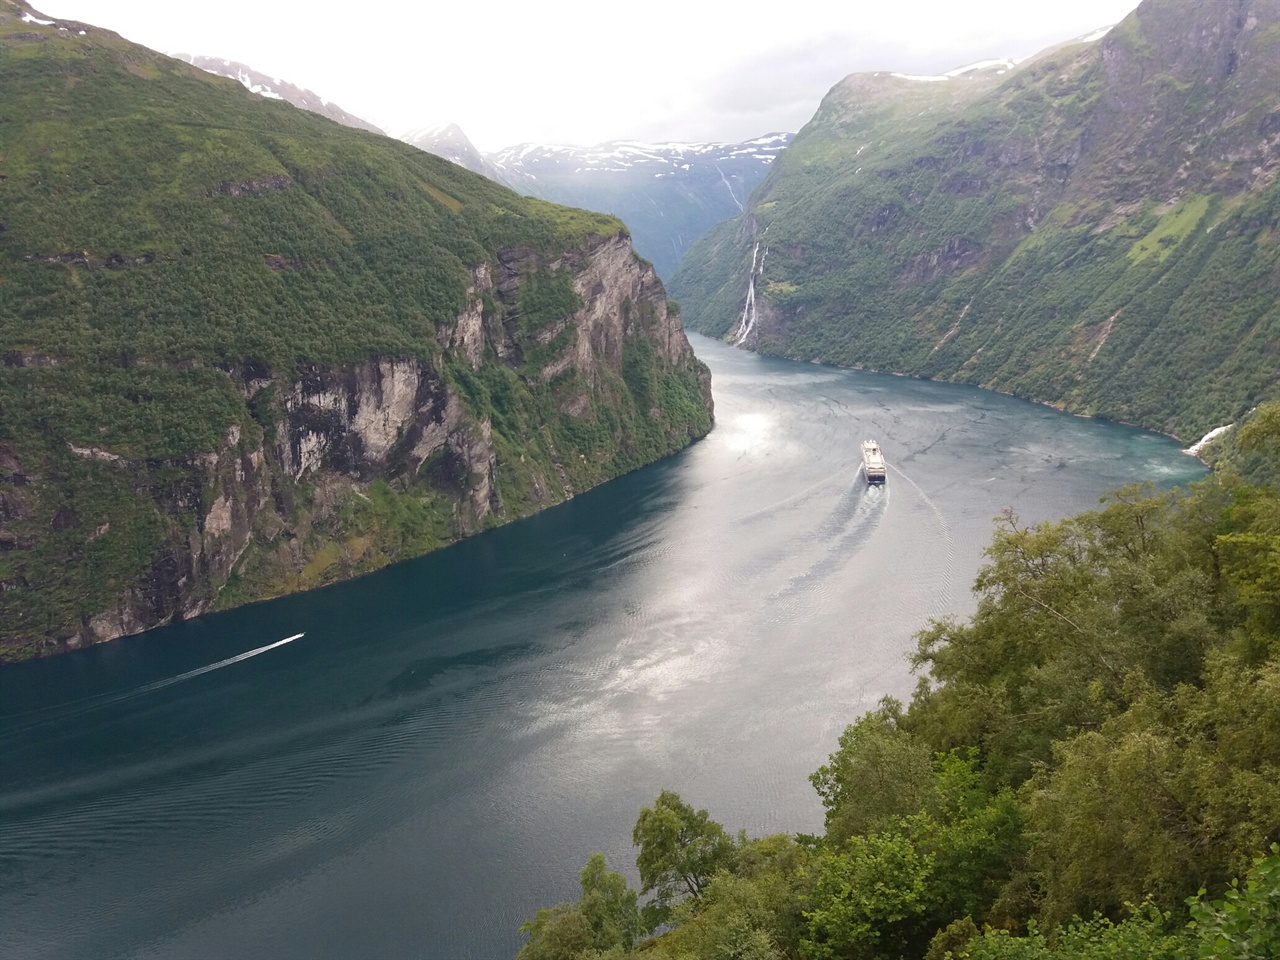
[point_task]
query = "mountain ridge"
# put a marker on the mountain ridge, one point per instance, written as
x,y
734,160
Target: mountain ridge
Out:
x,y
552,171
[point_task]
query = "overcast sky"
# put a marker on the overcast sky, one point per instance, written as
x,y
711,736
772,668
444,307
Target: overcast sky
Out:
x,y
574,71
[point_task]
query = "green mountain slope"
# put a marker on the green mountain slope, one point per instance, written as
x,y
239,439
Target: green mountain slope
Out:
x,y
1095,228
247,350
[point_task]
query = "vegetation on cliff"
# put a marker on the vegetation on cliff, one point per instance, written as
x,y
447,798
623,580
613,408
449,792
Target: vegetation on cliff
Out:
x,y
1090,768
1094,228
208,301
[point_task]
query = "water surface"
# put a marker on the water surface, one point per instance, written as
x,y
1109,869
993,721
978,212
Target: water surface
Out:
x,y
438,754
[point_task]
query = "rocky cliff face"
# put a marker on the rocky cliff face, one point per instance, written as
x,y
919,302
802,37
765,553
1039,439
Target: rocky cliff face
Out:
x,y
281,503
183,577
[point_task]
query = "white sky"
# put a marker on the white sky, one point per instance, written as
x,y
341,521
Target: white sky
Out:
x,y
585,71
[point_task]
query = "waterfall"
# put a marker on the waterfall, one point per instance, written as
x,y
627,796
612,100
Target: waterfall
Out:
x,y
747,322
728,186
748,319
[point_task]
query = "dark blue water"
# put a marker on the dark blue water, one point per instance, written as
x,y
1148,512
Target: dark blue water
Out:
x,y
438,754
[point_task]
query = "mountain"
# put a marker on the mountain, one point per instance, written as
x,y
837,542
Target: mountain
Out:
x,y
1095,228
248,351
667,193
276,89
451,143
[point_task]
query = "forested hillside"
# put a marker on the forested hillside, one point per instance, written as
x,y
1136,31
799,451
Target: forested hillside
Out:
x,y
248,350
1095,228
1088,766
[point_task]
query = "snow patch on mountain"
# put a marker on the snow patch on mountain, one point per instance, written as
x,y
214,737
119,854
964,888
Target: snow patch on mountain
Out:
x,y
982,67
1096,35
620,155
274,88
967,72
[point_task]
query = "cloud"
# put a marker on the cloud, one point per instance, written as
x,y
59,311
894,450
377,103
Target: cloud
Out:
x,y
577,71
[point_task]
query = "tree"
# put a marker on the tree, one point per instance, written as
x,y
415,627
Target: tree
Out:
x,y
878,772
1262,431
863,895
556,933
606,916
753,913
680,851
1245,923
1140,937
609,905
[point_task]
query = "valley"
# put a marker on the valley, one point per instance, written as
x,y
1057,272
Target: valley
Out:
x,y
438,754
384,571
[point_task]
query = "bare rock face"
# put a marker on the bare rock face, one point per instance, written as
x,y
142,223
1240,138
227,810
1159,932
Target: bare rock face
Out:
x,y
351,420
185,574
613,279
337,430
466,337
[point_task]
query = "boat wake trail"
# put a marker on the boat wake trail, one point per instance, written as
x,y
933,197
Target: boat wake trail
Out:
x,y
948,572
849,527
77,707
160,684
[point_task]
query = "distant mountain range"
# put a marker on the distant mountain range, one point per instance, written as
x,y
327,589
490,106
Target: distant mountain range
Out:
x,y
668,194
450,142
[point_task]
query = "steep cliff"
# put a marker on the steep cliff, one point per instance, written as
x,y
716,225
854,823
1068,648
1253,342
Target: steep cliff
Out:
x,y
1095,228
247,351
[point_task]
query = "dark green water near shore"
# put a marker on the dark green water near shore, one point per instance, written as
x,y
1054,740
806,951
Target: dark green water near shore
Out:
x,y
450,738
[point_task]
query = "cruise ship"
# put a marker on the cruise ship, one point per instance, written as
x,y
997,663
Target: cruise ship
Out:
x,y
873,461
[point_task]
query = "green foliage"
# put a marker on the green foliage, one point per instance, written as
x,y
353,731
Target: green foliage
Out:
x,y
609,905
1245,923
1141,937
733,920
561,932
170,243
546,297
680,851
878,772
865,894
606,916
1262,432
1070,615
